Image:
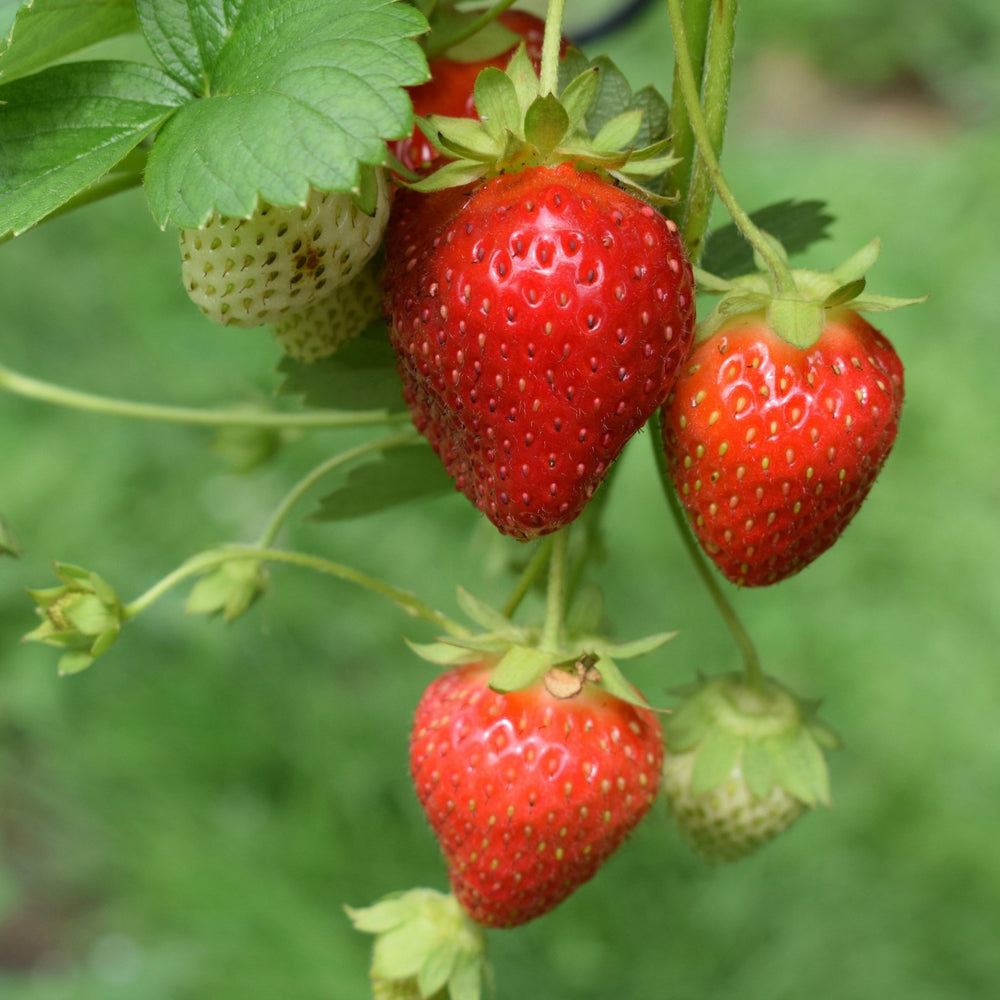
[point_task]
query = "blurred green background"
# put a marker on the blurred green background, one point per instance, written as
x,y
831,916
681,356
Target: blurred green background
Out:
x,y
185,820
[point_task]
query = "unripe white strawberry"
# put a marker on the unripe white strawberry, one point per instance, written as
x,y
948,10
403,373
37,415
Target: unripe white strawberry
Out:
x,y
323,327
247,272
743,762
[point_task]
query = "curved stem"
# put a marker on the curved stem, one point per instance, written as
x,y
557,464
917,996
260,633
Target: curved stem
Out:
x,y
46,392
551,637
751,662
551,44
777,265
539,560
212,558
281,512
433,51
718,71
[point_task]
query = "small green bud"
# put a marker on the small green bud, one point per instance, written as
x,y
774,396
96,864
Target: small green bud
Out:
x,y
83,616
228,589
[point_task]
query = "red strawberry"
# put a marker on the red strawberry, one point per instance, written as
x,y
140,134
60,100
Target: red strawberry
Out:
x,y
528,793
539,319
772,448
450,88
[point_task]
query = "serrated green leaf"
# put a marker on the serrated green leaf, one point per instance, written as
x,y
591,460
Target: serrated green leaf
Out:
x,y
797,224
437,967
399,476
65,127
717,754
45,31
519,668
757,768
362,375
187,35
298,94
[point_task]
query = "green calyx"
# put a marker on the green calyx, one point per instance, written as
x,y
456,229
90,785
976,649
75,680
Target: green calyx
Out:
x,y
764,731
519,127
796,302
83,616
426,948
523,658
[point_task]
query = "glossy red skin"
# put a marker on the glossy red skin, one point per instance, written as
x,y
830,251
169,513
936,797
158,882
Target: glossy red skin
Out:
x,y
528,794
772,449
449,91
539,320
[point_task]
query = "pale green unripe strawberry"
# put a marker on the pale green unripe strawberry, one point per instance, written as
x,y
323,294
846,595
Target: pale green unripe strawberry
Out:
x,y
247,272
743,762
323,327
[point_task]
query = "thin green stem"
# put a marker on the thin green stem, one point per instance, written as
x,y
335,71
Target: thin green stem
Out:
x,y
491,14
212,558
539,560
46,392
555,605
751,662
281,512
777,265
697,14
716,81
551,45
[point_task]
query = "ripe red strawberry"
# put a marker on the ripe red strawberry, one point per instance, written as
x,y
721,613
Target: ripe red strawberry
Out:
x,y
450,88
772,448
528,794
539,319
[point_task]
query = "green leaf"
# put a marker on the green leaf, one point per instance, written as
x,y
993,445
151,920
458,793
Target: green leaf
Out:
x,y
298,93
483,614
757,768
620,131
519,668
496,103
688,724
467,978
74,662
578,95
442,654
360,376
65,127
635,647
717,755
382,916
437,967
399,476
797,224
45,31
186,36
545,123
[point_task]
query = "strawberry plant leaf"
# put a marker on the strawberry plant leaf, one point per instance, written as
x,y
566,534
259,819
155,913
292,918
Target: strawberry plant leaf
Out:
x,y
399,476
519,668
64,128
186,36
483,614
437,967
44,31
795,224
295,94
757,768
360,376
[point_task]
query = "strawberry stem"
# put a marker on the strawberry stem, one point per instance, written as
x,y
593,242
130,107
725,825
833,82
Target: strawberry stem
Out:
x,y
551,637
281,512
212,558
751,662
46,392
780,272
532,571
551,45
715,102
